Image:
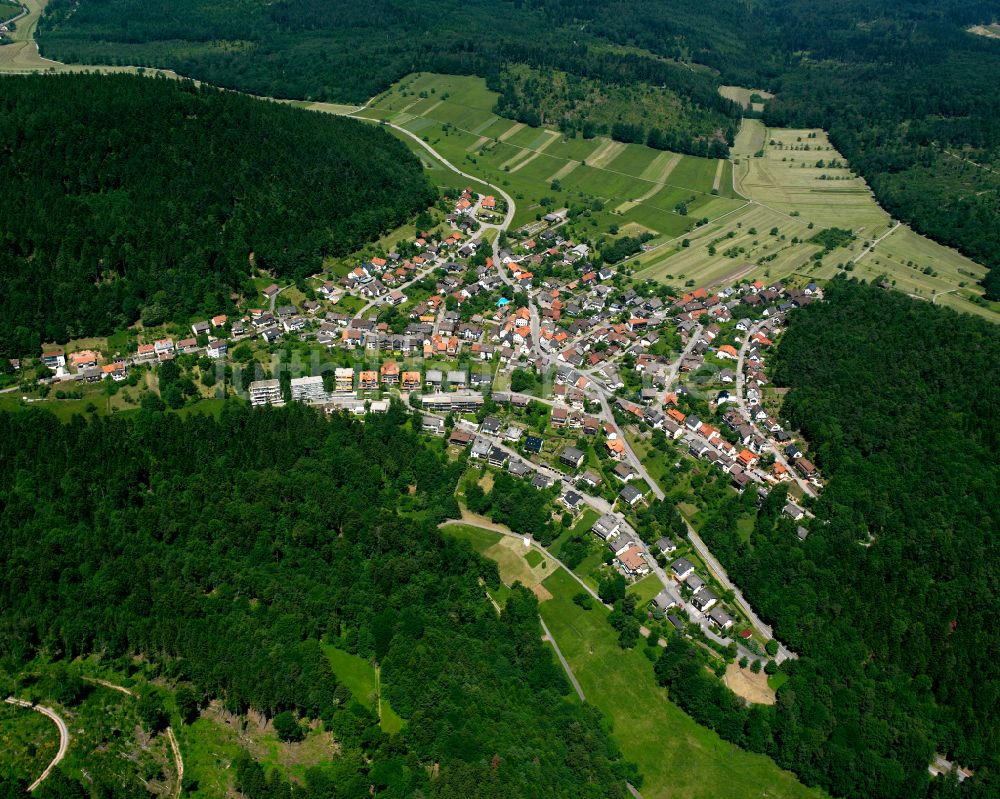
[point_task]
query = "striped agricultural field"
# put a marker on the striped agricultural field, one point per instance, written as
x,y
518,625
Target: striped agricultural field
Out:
x,y
564,170
515,128
605,154
553,136
657,173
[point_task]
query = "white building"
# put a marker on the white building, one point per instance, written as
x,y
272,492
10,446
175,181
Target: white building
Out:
x,y
266,392
308,389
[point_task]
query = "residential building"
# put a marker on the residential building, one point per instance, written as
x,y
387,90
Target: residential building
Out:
x,y
343,378
704,599
633,561
217,349
308,389
266,392
390,373
682,568
719,618
54,359
666,545
630,495
571,456
433,425
607,527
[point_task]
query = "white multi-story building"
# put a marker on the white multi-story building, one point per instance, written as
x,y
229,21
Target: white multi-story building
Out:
x,y
266,392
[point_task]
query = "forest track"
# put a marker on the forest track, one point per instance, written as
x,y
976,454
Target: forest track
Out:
x,y
63,737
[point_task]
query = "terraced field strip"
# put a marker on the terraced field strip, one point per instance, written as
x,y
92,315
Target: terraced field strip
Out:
x,y
563,171
515,128
553,136
657,172
718,176
479,129
477,144
605,154
660,168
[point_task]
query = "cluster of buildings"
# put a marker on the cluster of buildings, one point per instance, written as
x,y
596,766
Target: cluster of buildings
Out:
x,y
702,598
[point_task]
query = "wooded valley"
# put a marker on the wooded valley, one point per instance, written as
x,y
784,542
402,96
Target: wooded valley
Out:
x,y
906,93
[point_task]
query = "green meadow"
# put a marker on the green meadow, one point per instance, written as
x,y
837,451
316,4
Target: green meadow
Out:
x,y
678,758
623,185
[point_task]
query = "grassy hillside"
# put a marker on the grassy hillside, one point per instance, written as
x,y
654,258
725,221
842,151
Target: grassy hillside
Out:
x,y
677,757
611,184
128,198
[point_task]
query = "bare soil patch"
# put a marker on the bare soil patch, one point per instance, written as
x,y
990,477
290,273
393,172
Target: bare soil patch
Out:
x,y
752,687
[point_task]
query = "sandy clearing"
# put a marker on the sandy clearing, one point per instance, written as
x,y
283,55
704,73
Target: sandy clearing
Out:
x,y
741,95
509,556
991,31
752,687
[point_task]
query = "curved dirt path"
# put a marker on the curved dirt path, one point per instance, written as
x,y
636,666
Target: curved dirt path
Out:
x,y
63,737
174,747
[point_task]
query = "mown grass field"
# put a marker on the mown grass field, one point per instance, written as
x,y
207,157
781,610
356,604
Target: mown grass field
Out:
x,y
793,190
678,758
634,184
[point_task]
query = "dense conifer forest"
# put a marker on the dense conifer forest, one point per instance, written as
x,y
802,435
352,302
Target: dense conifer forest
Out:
x,y
892,597
130,198
908,95
230,551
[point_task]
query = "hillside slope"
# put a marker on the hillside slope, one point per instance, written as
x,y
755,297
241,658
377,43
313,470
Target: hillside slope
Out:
x,y
128,197
906,92
230,551
891,597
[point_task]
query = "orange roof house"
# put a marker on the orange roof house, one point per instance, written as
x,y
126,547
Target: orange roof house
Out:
x,y
390,372
676,415
728,349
